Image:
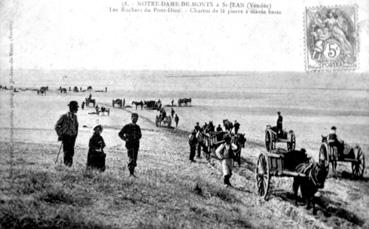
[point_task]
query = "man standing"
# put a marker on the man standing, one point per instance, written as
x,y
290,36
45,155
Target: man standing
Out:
x,y
176,119
131,134
279,124
172,112
225,152
236,126
67,130
192,141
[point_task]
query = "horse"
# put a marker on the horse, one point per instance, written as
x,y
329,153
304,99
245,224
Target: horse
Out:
x,y
62,90
228,125
42,90
138,104
185,101
315,175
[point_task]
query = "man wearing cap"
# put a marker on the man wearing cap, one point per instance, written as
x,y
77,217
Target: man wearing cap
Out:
x,y
279,124
131,134
334,141
236,126
225,152
67,130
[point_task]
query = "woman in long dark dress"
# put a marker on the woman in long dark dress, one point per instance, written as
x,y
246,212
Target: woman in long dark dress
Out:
x,y
96,155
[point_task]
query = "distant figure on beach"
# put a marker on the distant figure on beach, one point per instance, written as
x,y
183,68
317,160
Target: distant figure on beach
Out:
x,y
131,134
97,109
279,124
193,142
67,131
172,102
176,119
83,105
124,103
96,156
225,152
236,126
219,128
172,112
106,89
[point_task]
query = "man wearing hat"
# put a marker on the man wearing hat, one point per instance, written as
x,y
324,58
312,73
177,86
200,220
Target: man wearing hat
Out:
x,y
225,152
131,134
67,130
334,141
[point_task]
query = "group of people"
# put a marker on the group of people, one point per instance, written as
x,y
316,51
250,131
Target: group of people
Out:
x,y
173,115
225,152
67,131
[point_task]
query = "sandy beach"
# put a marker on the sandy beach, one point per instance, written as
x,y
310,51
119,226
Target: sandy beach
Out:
x,y
166,194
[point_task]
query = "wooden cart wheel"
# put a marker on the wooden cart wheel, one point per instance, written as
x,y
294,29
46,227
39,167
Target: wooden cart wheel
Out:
x,y
359,166
323,157
268,141
262,176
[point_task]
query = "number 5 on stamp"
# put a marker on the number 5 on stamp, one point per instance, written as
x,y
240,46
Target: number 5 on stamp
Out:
x,y
331,38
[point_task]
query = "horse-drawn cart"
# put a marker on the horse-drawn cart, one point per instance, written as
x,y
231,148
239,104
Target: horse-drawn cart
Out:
x,y
118,102
214,139
163,121
272,137
89,100
271,164
344,153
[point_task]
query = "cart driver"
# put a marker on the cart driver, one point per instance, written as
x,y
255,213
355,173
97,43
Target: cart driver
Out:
x,y
333,140
279,124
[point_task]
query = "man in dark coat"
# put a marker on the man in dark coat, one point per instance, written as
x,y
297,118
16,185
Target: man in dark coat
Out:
x,y
67,130
131,134
279,124
193,142
236,126
96,156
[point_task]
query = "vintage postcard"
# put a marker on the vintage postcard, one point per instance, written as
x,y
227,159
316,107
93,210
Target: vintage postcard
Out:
x,y
184,114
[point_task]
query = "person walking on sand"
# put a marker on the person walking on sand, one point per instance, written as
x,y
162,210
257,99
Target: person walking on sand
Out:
x,y
172,112
131,134
83,105
96,156
225,152
176,119
67,130
193,142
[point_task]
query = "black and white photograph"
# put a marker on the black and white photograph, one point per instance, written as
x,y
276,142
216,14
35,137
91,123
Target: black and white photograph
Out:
x,y
184,114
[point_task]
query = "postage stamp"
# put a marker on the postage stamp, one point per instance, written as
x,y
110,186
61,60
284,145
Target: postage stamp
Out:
x,y
331,38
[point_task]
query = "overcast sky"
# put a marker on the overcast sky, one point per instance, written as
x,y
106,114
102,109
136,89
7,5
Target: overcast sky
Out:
x,y
71,34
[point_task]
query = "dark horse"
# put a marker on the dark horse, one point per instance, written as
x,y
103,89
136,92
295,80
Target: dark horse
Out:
x,y
228,125
185,101
42,90
138,104
315,175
